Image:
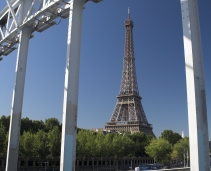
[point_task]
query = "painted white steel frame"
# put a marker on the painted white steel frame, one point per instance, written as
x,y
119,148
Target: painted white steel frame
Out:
x,y
40,15
197,112
18,20
17,101
70,104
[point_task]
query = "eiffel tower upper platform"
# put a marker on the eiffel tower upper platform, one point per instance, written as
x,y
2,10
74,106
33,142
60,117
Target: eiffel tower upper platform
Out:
x,y
128,115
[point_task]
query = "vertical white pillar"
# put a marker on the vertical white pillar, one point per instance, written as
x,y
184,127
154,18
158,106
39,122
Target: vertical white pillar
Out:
x,y
197,114
70,104
18,91
17,101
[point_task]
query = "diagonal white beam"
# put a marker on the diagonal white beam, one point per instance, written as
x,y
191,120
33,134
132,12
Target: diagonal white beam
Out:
x,y
12,12
1,33
44,2
11,26
30,10
7,25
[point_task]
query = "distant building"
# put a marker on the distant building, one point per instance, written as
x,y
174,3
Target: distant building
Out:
x,y
103,130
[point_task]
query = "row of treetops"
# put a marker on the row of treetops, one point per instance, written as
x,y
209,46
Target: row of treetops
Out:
x,y
43,139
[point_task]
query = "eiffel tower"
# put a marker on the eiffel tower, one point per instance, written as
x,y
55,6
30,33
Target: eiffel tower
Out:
x,y
128,115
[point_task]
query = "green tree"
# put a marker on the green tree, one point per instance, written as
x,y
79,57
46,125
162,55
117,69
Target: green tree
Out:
x,y
50,123
26,125
5,143
107,148
90,144
122,145
171,136
79,144
160,149
5,122
99,145
141,140
82,146
26,146
41,144
2,139
37,125
54,142
94,144
179,149
149,139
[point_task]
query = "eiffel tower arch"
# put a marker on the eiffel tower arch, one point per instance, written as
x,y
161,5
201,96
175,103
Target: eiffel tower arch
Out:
x,y
129,115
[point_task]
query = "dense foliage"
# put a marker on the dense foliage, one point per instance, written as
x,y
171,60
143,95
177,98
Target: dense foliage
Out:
x,y
43,140
169,146
160,149
92,144
170,136
181,147
38,138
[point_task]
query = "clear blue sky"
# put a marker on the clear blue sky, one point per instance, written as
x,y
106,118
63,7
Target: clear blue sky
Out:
x,y
159,63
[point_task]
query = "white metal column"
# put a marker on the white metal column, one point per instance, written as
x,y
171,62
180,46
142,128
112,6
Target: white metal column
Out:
x,y
70,104
17,101
18,91
197,113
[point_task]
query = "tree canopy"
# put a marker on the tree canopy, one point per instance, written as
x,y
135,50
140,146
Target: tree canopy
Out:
x,y
181,147
169,146
160,149
43,139
170,136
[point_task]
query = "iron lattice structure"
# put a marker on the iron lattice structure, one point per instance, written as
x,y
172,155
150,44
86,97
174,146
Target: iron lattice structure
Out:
x,y
129,115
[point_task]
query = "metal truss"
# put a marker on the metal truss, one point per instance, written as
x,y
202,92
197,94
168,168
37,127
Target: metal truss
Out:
x,y
41,15
129,81
128,107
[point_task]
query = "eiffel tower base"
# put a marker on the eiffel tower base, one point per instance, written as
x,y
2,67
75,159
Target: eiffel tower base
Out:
x,y
131,127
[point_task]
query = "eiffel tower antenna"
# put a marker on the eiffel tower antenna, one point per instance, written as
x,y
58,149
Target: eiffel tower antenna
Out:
x,y
128,115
